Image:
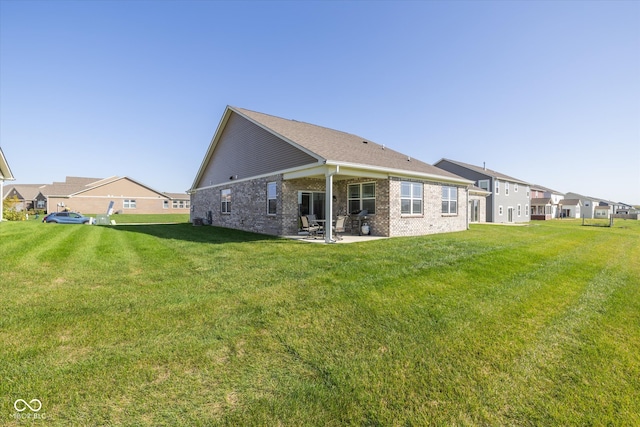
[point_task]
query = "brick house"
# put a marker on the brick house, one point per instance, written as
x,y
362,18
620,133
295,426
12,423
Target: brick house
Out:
x,y
261,173
93,195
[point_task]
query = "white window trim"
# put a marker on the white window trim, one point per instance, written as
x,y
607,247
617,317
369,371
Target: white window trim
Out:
x,y
500,210
275,185
506,188
412,199
361,198
225,205
497,187
449,200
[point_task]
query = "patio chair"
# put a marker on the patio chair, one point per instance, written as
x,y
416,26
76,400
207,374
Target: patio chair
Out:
x,y
313,222
339,227
312,230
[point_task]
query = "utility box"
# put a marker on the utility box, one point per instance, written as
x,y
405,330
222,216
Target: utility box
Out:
x,y
102,220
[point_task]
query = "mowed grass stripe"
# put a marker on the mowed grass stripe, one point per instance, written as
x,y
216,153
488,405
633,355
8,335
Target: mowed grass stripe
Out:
x,y
186,325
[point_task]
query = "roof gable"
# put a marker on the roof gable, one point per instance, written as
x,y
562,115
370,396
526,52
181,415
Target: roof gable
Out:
x,y
484,171
24,191
238,147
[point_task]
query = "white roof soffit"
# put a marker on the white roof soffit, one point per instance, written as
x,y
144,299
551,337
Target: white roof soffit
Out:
x,y
367,171
346,167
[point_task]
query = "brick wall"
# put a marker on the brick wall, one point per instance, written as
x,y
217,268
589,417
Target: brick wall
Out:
x,y
249,211
248,206
432,220
99,205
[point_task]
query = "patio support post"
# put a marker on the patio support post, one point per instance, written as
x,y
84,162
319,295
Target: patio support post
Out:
x,y
328,205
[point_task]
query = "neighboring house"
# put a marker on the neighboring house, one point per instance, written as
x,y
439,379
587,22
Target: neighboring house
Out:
x,y
570,208
509,199
625,209
603,211
261,173
588,204
5,175
28,196
545,203
93,195
616,207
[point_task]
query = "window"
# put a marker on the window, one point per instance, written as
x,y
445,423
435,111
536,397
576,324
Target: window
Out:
x,y
497,187
527,191
500,210
271,198
225,201
362,196
40,204
129,204
519,210
506,188
484,184
165,204
410,198
179,204
449,200
515,187
526,210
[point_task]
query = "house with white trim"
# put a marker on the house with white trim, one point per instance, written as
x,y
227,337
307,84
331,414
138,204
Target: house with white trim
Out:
x,y
545,203
93,196
261,173
509,198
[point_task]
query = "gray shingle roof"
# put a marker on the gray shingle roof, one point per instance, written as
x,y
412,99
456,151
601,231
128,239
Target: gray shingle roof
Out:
x,y
27,191
487,171
542,201
337,146
569,202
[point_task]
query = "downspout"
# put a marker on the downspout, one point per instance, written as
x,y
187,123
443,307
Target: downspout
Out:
x,y
328,215
468,209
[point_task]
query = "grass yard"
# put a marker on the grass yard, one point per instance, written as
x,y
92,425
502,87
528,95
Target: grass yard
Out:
x,y
180,325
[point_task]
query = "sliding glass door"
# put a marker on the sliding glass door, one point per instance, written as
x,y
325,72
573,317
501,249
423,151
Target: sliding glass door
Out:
x,y
311,202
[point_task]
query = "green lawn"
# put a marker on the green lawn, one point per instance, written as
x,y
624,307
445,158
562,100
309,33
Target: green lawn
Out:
x,y
181,325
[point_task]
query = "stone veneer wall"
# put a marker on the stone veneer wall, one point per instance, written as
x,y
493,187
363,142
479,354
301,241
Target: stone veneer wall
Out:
x,y
249,211
248,206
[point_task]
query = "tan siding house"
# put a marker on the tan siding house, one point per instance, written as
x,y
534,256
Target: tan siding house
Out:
x,y
261,173
93,195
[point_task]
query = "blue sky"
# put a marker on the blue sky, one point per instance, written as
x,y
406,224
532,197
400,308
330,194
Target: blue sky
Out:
x,y
548,92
